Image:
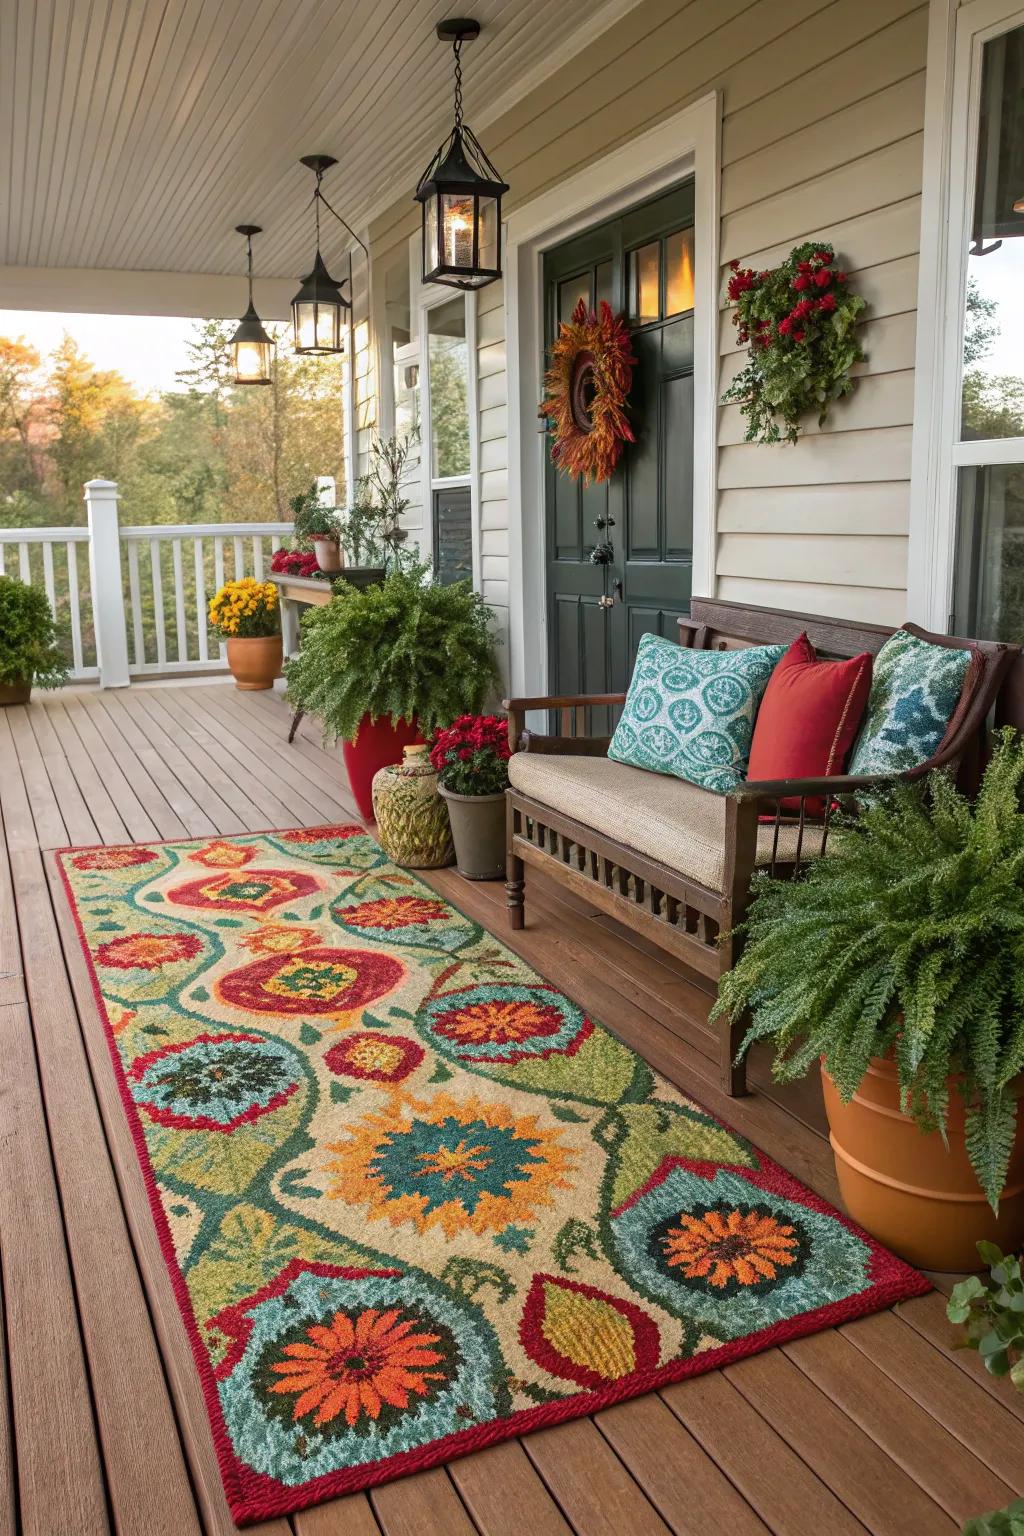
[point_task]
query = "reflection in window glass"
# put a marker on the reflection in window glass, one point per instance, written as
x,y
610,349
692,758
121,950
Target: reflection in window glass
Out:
x,y
453,547
449,390
679,272
644,283
569,294
993,376
989,599
603,278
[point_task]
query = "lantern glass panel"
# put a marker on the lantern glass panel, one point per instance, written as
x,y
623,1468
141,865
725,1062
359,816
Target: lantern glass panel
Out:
x,y
252,362
430,247
488,217
458,220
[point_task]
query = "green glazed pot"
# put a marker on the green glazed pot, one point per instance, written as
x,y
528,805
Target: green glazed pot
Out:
x,y
412,819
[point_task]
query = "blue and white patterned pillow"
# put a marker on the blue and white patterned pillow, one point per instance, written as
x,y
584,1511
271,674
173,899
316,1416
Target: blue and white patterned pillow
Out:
x,y
915,687
691,713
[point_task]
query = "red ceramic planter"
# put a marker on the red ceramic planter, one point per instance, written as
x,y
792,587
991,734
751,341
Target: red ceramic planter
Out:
x,y
377,744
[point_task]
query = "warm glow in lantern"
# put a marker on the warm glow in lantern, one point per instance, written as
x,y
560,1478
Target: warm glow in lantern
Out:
x,y
460,193
253,348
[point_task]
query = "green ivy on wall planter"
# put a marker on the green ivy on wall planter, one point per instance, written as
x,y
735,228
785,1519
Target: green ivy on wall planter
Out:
x,y
799,320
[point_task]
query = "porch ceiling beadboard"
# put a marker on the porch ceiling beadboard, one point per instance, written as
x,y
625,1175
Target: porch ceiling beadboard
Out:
x,y
135,136
823,110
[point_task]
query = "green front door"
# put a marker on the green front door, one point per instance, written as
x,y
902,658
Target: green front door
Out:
x,y
641,263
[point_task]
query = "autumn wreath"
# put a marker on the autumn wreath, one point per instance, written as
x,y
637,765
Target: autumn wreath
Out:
x,y
800,321
587,385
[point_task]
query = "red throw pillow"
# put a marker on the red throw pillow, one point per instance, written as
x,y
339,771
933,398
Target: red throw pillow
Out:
x,y
809,717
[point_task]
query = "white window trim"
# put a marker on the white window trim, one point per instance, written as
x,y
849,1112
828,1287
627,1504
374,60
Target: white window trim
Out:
x,y
687,143
423,298
953,52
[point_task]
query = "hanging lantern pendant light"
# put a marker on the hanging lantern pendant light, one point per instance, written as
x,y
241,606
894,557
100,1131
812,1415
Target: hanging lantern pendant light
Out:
x,y
319,306
460,192
252,347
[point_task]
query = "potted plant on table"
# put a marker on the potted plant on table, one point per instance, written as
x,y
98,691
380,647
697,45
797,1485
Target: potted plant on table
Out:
x,y
381,665
28,642
898,963
246,613
471,757
320,526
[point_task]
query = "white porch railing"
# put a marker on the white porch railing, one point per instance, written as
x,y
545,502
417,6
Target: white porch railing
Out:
x,y
134,599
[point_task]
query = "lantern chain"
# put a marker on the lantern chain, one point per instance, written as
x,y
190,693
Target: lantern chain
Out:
x,y
457,47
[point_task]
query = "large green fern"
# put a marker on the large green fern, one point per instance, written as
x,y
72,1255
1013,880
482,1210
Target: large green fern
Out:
x,y
908,939
407,648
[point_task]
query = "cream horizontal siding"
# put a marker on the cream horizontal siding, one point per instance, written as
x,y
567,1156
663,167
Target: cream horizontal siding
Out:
x,y
823,107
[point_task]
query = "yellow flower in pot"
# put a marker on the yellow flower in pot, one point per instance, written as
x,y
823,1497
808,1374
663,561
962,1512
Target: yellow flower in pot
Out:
x,y
897,962
247,614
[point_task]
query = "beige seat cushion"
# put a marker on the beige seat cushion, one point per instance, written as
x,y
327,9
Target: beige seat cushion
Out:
x,y
665,818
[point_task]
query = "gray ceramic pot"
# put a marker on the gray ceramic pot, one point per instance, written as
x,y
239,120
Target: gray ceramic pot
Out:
x,y
478,831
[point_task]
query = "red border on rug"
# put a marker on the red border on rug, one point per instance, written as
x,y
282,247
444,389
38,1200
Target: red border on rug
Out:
x,y
252,1496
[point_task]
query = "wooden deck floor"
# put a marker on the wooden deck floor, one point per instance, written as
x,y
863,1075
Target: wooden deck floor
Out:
x,y
876,1426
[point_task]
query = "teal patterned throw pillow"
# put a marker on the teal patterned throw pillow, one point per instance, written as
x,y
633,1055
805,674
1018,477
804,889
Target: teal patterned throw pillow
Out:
x,y
691,713
915,688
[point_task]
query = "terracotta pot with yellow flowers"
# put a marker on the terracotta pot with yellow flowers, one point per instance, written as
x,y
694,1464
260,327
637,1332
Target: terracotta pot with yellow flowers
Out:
x,y
246,613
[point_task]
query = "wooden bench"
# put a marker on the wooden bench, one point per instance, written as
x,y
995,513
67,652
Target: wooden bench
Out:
x,y
693,918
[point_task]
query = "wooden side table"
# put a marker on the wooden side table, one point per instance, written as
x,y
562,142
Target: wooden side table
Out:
x,y
296,593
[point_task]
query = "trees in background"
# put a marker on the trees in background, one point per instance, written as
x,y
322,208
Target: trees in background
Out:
x,y
205,453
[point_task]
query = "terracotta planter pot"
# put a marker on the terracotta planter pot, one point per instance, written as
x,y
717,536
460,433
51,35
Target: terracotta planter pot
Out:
x,y
478,831
377,744
329,556
15,693
255,662
903,1185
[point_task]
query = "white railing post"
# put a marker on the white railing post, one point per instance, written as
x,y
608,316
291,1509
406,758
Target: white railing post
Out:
x,y
327,490
105,581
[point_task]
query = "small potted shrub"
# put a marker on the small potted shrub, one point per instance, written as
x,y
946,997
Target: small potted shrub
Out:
x,y
991,1313
897,961
471,757
318,525
246,613
382,664
28,642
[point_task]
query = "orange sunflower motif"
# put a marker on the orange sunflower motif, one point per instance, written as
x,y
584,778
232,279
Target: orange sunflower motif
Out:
x,y
394,912
499,1022
222,855
731,1247
278,939
355,1367
458,1164
148,951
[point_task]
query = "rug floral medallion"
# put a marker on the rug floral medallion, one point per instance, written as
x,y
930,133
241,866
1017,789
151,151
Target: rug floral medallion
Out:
x,y
413,1199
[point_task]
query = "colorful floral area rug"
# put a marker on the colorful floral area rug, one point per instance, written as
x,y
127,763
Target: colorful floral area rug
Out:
x,y
412,1199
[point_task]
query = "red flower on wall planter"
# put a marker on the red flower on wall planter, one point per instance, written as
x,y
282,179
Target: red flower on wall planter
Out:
x,y
799,320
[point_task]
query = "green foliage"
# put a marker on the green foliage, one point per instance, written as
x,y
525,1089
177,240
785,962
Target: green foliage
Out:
x,y
1004,1522
312,520
405,649
991,1313
908,939
800,322
28,637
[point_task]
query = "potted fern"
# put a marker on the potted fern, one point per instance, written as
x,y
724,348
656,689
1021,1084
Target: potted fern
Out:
x,y
898,963
381,665
28,642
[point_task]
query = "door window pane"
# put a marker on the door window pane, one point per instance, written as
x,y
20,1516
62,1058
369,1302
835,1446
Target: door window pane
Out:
x,y
989,599
449,389
993,351
679,272
569,294
645,283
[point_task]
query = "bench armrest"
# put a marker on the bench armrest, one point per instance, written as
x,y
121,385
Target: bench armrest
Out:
x,y
573,734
